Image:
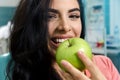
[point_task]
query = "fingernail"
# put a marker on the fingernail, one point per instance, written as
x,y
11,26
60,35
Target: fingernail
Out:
x,y
80,52
63,62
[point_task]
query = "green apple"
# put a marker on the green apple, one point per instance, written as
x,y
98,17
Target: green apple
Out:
x,y
68,49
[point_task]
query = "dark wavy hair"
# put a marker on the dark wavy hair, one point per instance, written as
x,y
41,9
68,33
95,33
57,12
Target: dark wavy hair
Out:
x,y
31,59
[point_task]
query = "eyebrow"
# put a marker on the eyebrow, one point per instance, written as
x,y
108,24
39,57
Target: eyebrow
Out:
x,y
53,10
56,11
74,9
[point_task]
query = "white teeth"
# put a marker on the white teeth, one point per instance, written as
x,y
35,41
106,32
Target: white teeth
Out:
x,y
60,40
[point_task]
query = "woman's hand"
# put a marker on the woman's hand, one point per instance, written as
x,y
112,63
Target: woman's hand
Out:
x,y
91,67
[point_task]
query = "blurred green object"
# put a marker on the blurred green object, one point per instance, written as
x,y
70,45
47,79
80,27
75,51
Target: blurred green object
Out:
x,y
4,59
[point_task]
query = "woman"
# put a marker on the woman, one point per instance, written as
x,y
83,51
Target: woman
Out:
x,y
39,27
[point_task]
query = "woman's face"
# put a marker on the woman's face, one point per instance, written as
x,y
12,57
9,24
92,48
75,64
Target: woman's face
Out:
x,y
64,22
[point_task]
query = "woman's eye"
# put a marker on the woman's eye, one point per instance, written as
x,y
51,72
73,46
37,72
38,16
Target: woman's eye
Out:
x,y
52,17
74,17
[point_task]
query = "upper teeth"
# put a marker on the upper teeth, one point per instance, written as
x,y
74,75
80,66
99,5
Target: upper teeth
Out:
x,y
60,40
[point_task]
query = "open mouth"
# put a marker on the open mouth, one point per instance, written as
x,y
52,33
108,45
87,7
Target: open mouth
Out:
x,y
57,40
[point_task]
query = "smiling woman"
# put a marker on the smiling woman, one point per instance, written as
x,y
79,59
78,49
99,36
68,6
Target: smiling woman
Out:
x,y
39,28
64,22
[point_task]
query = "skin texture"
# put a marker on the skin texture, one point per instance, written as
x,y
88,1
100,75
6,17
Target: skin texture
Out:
x,y
64,22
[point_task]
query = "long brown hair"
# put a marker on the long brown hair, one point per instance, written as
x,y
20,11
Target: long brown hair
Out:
x,y
30,57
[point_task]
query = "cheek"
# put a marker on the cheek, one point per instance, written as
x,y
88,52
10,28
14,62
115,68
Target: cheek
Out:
x,y
77,29
50,28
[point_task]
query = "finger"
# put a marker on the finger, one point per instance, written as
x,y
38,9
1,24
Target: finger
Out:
x,y
95,72
78,75
87,62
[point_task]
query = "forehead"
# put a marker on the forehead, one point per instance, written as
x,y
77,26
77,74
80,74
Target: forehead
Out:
x,y
62,4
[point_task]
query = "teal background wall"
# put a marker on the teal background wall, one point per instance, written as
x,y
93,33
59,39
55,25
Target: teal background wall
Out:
x,y
6,14
107,15
116,60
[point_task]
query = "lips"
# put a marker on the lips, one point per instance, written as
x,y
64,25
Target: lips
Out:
x,y
55,42
57,39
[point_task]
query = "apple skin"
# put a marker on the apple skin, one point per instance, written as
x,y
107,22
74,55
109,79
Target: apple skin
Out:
x,y
68,49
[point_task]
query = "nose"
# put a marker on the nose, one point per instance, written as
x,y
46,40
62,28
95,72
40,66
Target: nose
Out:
x,y
64,25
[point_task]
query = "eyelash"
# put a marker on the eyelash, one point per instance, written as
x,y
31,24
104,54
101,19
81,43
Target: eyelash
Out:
x,y
51,16
74,16
54,16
